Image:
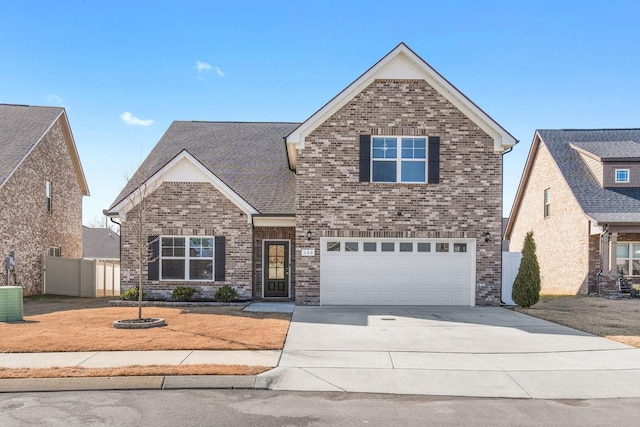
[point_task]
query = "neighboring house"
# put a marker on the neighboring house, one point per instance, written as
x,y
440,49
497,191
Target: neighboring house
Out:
x,y
41,189
391,193
100,243
580,195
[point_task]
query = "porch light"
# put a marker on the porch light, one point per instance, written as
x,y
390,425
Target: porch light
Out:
x,y
487,237
309,235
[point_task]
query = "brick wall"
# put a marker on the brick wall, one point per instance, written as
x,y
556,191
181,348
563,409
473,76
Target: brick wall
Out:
x,y
185,209
25,225
562,239
272,233
466,203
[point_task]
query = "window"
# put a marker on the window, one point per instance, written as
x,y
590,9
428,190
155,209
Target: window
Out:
x,y
351,247
333,246
442,247
370,246
47,195
388,246
459,247
55,251
406,247
622,175
628,258
186,258
424,247
397,159
547,203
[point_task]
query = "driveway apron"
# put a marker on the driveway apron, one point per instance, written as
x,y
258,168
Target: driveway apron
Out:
x,y
454,351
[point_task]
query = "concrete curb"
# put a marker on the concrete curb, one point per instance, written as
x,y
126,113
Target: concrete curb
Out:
x,y
12,385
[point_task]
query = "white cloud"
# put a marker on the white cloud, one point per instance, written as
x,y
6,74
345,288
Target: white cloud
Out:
x,y
130,119
218,71
56,99
202,66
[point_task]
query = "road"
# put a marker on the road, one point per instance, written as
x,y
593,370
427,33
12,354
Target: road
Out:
x,y
269,408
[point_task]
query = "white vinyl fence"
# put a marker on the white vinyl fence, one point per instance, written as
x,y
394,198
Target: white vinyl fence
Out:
x,y
510,265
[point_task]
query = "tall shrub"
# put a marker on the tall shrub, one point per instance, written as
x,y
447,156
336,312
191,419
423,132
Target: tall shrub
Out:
x,y
526,287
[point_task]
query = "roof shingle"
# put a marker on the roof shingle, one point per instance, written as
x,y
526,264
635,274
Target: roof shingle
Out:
x,y
603,205
21,127
249,157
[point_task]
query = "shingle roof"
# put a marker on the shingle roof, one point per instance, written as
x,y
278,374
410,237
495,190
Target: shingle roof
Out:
x,y
100,243
611,150
248,157
604,205
21,127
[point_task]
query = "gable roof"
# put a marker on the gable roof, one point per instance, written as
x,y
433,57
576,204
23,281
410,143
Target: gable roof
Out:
x,y
248,157
100,243
401,63
22,127
603,206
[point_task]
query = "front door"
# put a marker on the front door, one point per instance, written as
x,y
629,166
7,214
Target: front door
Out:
x,y
276,269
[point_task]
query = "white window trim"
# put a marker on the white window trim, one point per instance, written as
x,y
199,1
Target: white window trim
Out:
x,y
547,203
399,159
629,260
619,181
187,258
48,200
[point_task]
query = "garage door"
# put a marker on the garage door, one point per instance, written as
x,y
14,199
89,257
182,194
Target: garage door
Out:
x,y
397,271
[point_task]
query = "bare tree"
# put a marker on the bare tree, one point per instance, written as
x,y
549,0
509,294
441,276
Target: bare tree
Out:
x,y
101,221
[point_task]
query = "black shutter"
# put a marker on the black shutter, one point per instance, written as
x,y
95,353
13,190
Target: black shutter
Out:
x,y
153,266
219,258
365,158
433,165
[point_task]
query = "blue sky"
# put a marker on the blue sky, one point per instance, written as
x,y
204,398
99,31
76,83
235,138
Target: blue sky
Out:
x,y
126,69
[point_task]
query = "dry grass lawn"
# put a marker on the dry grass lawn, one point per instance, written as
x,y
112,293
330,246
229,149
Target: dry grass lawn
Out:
x,y
131,371
49,325
617,320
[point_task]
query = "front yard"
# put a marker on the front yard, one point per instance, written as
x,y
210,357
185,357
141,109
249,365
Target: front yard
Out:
x,y
75,324
617,320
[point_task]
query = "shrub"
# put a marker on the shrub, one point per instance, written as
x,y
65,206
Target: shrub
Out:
x,y
131,294
182,293
226,294
526,287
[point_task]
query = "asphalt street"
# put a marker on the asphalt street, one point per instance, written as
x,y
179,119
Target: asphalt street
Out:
x,y
272,408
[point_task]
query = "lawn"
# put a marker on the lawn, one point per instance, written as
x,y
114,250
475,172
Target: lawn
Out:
x,y
77,324
617,320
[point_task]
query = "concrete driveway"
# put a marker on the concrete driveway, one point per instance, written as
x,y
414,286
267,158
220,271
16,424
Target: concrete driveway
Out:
x,y
456,351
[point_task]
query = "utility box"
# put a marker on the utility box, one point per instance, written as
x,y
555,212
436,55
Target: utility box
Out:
x,y
11,303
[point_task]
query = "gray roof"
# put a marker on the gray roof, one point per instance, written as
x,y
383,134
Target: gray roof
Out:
x,y
248,157
100,243
604,205
21,127
611,150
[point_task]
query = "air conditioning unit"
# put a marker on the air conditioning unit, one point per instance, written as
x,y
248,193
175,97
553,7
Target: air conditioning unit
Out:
x,y
11,303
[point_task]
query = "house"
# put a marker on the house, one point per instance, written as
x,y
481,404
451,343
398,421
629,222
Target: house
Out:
x,y
391,193
41,190
580,195
100,243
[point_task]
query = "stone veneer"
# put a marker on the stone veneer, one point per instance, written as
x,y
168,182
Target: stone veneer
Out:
x,y
190,209
25,225
466,203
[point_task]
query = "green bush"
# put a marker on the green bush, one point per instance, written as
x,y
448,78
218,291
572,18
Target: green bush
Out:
x,y
131,294
526,287
226,294
182,293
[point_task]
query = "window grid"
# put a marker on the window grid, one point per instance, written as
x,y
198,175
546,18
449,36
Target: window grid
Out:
x,y
189,263
399,159
622,176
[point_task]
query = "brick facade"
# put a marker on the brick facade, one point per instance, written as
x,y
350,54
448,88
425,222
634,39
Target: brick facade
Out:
x,y
565,251
25,225
466,203
190,209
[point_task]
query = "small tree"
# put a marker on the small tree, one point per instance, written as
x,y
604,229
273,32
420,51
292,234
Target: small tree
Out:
x,y
526,287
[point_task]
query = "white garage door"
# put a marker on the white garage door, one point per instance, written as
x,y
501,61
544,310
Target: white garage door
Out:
x,y
397,271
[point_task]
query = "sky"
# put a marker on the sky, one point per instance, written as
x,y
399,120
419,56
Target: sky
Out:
x,y
124,70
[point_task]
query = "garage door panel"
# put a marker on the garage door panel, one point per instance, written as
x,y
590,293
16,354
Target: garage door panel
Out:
x,y
405,278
